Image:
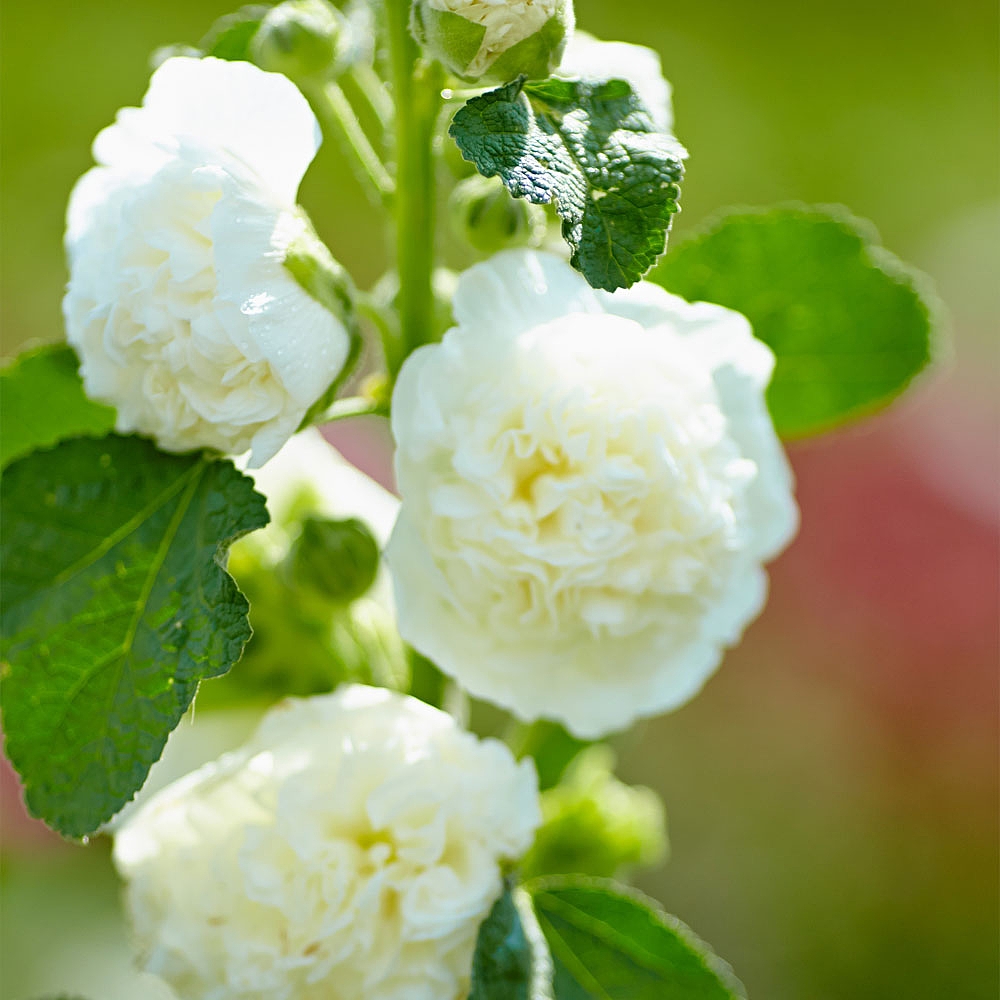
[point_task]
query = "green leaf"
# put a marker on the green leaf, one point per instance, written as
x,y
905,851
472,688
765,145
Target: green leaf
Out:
x,y
611,943
511,960
232,34
849,323
116,605
42,401
591,149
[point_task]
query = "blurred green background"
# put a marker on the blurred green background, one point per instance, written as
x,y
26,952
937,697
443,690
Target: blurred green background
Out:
x,y
833,793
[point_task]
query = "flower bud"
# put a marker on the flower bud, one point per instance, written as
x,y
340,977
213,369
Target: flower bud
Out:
x,y
486,217
299,38
337,560
594,824
494,41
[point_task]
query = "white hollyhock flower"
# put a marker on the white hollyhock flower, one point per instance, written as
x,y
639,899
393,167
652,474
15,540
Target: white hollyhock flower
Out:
x,y
350,849
590,485
589,58
179,304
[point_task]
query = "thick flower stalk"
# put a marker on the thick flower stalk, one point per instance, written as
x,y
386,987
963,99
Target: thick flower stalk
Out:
x,y
590,486
179,303
350,849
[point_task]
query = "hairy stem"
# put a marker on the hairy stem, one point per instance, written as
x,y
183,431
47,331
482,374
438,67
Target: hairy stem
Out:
x,y
371,86
416,88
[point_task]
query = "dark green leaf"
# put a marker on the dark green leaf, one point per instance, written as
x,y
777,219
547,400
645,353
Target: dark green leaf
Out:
x,y
610,943
42,401
511,961
849,323
230,37
590,149
116,605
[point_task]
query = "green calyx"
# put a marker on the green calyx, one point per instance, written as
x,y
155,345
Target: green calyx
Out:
x,y
537,56
448,37
457,43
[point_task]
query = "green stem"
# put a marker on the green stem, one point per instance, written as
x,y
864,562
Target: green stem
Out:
x,y
351,406
371,86
416,88
336,115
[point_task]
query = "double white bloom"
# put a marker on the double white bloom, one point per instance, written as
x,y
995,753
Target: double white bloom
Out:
x,y
350,849
179,304
590,485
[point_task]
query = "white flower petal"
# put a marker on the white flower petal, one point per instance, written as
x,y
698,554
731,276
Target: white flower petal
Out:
x,y
589,487
350,848
301,340
179,304
517,290
231,109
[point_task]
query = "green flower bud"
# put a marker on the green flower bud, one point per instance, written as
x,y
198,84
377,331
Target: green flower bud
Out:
x,y
337,560
486,217
494,42
594,824
299,38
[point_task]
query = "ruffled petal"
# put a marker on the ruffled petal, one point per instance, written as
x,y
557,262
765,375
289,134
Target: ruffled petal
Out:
x,y
259,119
517,290
302,341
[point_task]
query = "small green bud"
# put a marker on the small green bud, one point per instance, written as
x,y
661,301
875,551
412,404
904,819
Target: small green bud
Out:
x,y
337,560
494,42
485,216
594,824
299,38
